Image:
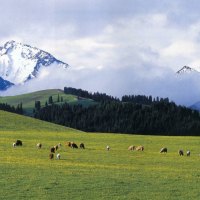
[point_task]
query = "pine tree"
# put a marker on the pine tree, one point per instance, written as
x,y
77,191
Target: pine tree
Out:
x,y
58,99
50,100
37,105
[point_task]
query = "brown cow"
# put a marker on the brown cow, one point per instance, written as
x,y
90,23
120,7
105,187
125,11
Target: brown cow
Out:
x,y
68,144
72,145
56,147
131,148
51,155
139,148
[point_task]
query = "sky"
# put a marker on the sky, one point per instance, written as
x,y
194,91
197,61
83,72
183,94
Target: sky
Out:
x,y
113,46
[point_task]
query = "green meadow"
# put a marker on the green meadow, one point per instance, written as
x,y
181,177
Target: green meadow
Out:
x,y
28,100
94,173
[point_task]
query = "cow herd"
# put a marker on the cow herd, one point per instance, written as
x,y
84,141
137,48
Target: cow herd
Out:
x,y
73,145
180,152
82,146
162,150
54,148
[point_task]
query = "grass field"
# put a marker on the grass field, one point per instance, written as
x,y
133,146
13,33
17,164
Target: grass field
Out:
x,y
28,100
94,173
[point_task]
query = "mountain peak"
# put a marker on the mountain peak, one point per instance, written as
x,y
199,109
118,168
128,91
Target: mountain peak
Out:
x,y
11,42
21,62
186,69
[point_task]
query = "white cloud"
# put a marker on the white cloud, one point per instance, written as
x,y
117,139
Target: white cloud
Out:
x,y
181,89
119,48
179,48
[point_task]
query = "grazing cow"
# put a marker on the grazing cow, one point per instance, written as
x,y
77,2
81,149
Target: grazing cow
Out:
x,y
52,150
14,144
74,145
18,143
58,156
51,155
82,146
108,148
139,148
188,153
180,152
68,144
131,148
39,145
56,147
163,150
59,145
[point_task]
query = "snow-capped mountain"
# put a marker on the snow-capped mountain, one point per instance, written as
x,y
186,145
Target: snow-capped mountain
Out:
x,y
20,62
186,69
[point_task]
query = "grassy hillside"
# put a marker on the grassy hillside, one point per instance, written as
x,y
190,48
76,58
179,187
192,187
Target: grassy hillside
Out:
x,y
15,122
28,100
93,173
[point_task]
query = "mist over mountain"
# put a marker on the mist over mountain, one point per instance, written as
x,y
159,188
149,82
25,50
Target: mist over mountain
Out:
x,y
29,69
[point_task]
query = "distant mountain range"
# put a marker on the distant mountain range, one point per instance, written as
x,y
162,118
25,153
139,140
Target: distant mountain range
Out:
x,y
20,63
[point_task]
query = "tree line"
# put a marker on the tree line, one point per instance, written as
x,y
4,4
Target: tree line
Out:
x,y
142,99
8,108
96,96
132,114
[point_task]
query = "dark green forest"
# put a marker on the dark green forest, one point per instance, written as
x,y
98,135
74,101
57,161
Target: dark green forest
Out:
x,y
96,96
8,108
133,114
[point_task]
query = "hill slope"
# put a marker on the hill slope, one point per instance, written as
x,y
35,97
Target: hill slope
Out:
x,y
28,100
93,173
15,122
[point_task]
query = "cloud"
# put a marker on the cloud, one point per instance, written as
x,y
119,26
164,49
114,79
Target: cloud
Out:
x,y
183,89
112,46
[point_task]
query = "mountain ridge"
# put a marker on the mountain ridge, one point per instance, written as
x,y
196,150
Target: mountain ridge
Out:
x,y
21,62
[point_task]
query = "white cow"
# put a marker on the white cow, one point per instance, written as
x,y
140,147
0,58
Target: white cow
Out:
x,y
39,145
188,153
108,147
58,156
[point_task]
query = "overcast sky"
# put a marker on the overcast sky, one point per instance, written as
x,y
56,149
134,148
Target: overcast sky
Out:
x,y
113,46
